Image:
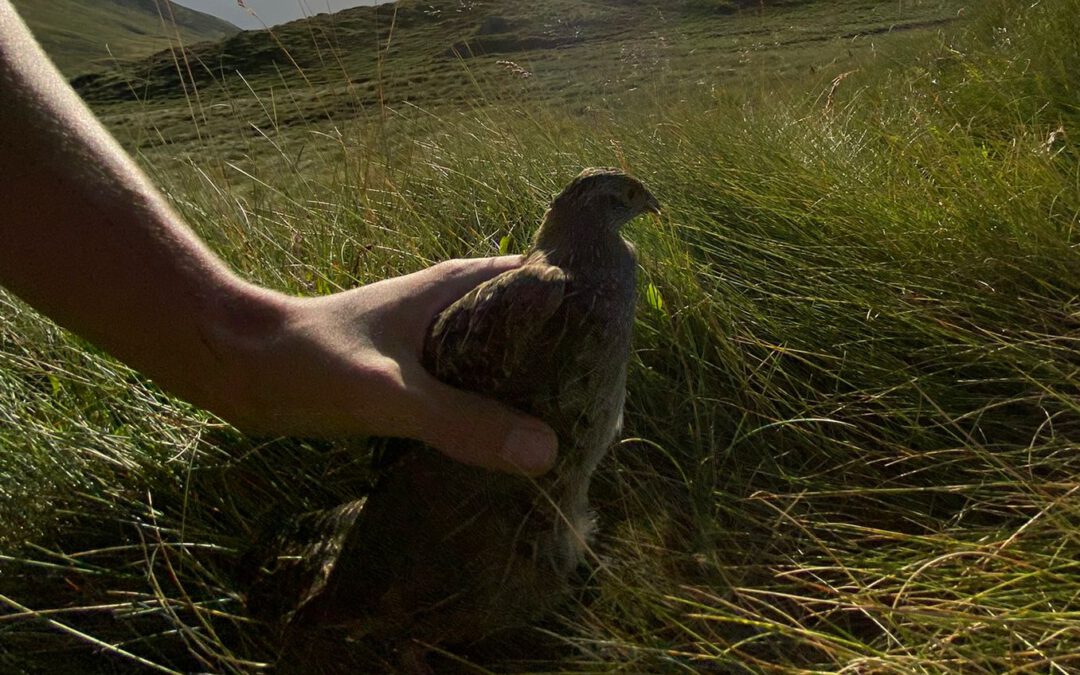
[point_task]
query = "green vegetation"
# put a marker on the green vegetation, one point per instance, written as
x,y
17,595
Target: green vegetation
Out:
x,y
85,35
853,424
585,58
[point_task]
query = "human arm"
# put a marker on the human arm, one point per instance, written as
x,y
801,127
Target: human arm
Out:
x,y
88,240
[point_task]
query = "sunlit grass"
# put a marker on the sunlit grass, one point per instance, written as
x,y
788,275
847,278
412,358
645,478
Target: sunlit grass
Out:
x,y
851,433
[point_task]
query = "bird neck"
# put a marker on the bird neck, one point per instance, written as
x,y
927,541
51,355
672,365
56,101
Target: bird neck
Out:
x,y
577,240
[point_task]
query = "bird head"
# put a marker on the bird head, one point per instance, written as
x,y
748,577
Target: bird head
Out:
x,y
605,199
610,194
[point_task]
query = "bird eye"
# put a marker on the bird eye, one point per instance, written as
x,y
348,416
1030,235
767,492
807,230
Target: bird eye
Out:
x,y
632,194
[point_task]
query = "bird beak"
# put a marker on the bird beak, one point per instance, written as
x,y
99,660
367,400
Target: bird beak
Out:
x,y
652,206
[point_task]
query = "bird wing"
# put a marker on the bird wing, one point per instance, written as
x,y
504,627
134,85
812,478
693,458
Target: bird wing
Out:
x,y
489,339
290,561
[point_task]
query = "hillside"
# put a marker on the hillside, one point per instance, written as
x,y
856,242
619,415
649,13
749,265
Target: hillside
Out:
x,y
260,13
84,35
442,53
414,49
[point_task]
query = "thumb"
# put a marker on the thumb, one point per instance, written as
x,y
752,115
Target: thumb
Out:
x,y
449,280
475,430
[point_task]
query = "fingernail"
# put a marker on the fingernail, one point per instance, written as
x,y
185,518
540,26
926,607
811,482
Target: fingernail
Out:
x,y
531,448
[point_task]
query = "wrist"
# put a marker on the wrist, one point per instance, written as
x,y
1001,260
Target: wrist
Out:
x,y
244,324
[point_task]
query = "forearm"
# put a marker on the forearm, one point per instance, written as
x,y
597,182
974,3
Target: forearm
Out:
x,y
88,240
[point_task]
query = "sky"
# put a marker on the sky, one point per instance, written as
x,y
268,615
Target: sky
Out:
x,y
271,12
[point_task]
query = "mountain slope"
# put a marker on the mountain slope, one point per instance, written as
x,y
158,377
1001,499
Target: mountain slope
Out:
x,y
574,54
415,49
260,13
80,35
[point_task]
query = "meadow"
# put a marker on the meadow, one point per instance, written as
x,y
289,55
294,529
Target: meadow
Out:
x,y
852,431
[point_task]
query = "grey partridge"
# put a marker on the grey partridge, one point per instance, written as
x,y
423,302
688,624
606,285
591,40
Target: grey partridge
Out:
x,y
446,553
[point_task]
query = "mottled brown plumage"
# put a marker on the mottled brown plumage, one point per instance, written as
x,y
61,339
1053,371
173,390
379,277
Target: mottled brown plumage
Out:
x,y
443,552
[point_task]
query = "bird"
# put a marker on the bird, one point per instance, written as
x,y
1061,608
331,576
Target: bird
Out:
x,y
444,553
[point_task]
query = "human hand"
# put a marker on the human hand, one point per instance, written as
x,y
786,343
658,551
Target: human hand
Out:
x,y
113,262
349,364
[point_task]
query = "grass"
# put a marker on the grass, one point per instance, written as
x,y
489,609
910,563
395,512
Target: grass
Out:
x,y
852,425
